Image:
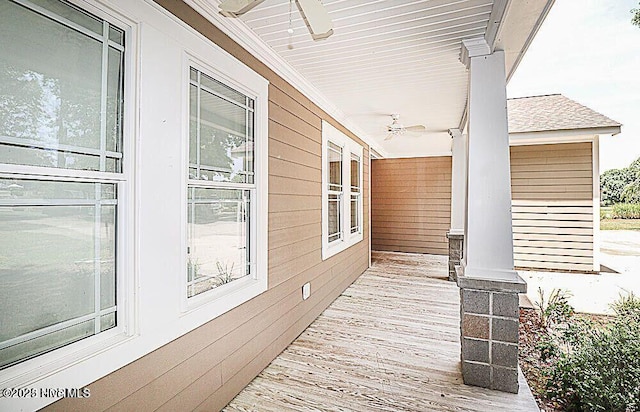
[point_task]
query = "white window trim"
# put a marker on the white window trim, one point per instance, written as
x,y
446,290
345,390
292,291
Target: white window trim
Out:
x,y
349,146
219,300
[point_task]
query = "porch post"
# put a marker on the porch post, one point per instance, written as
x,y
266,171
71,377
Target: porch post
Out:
x,y
458,200
489,285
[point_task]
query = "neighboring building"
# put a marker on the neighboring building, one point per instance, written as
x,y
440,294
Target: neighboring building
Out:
x,y
554,187
555,182
176,177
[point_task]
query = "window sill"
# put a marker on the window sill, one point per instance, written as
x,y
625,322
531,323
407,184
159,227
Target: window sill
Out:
x,y
329,250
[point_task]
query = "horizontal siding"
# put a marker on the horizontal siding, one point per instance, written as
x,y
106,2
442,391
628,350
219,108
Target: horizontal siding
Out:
x,y
530,177
411,204
552,206
206,368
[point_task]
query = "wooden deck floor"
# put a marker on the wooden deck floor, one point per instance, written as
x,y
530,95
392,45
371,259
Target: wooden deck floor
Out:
x,y
390,342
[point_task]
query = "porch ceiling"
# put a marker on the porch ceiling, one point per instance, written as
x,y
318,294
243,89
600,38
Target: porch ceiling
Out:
x,y
395,56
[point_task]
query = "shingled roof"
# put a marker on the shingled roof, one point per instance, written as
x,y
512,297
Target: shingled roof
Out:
x,y
553,112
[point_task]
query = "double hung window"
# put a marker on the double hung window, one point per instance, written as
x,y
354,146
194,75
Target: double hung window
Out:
x,y
221,186
341,191
61,176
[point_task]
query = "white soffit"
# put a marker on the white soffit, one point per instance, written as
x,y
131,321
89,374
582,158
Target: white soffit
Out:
x,y
520,25
384,57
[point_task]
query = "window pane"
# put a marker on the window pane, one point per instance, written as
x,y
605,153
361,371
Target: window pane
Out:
x,y
51,80
107,256
73,14
250,144
355,173
334,160
222,89
334,220
57,253
218,238
219,114
355,224
221,136
116,35
193,130
114,101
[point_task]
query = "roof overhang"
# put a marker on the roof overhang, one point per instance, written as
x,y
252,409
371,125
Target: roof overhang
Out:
x,y
438,100
521,22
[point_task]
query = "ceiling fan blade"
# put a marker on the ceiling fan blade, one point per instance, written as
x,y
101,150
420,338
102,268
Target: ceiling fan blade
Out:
x,y
316,17
389,136
238,7
416,128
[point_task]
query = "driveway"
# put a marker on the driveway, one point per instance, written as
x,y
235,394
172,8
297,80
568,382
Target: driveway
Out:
x,y
620,259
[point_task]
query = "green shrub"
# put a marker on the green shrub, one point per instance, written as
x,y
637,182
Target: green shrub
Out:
x,y
625,211
555,310
627,307
597,368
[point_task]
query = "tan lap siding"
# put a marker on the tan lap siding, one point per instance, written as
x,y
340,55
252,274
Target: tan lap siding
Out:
x,y
552,206
206,368
411,204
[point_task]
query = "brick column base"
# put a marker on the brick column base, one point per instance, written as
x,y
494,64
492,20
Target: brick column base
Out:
x,y
456,244
489,332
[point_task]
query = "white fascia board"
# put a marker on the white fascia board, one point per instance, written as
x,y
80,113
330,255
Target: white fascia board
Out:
x,y
246,38
560,136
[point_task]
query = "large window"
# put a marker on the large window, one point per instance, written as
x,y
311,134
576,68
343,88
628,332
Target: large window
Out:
x,y
341,191
221,186
61,172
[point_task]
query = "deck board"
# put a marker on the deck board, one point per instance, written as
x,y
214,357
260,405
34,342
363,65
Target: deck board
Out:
x,y
390,342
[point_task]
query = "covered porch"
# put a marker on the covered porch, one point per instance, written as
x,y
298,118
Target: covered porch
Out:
x,y
397,80
390,342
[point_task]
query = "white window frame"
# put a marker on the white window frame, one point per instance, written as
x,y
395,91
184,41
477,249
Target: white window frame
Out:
x,y
349,147
224,298
59,359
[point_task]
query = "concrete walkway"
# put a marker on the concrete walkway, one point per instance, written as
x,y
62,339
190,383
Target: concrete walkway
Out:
x,y
620,259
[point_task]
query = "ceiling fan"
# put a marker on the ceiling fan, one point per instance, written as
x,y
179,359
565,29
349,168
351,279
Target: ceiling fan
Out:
x,y
397,129
313,13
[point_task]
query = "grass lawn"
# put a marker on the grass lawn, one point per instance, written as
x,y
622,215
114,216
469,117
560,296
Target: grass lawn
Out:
x,y
620,224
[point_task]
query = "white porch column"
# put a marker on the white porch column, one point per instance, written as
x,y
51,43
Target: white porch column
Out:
x,y
458,181
488,232
458,199
489,285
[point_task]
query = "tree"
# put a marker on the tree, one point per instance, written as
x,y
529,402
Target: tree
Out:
x,y
636,16
621,185
612,184
631,192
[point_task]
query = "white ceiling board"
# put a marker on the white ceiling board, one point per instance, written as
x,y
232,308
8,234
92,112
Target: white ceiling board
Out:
x,y
385,56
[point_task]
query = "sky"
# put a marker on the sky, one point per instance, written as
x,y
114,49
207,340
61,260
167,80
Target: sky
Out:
x,y
589,51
